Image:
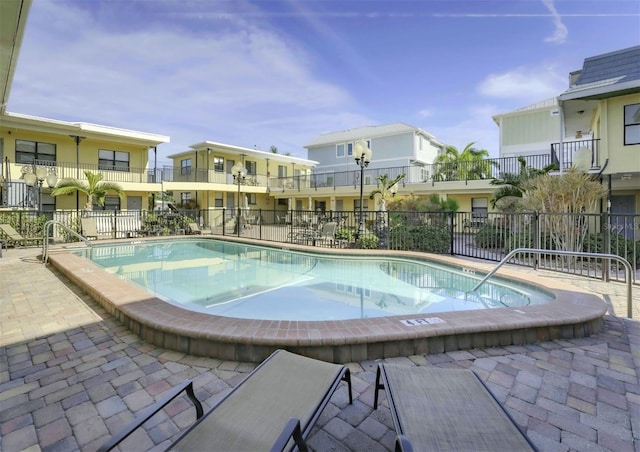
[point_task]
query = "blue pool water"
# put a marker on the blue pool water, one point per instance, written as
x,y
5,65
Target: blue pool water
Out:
x,y
238,280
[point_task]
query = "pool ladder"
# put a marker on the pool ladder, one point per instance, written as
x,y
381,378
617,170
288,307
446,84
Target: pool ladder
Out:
x,y
623,261
45,239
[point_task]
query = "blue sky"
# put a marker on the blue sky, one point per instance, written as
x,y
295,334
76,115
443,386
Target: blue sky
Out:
x,y
282,72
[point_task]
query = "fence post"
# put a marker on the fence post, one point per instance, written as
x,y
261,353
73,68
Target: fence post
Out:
x,y
259,221
605,226
451,218
536,239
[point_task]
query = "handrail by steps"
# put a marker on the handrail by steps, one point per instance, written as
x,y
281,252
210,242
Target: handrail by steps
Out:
x,y
627,266
45,240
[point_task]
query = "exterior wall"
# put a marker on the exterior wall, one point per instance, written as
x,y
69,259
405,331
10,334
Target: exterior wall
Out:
x,y
622,159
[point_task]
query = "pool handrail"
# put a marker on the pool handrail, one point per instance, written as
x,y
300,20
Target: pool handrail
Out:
x,y
627,267
45,239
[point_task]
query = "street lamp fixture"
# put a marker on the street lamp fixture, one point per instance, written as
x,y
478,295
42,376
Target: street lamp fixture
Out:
x,y
239,174
362,156
35,176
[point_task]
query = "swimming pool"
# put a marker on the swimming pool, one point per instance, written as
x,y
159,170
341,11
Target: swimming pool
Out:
x,y
573,312
254,282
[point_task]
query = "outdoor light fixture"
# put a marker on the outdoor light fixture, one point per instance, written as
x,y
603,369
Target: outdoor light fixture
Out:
x,y
362,156
34,176
239,173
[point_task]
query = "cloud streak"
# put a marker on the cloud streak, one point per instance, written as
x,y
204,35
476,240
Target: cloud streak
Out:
x,y
560,32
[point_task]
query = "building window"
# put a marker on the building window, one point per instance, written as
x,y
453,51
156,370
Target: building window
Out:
x,y
185,167
365,204
283,202
479,207
219,200
251,197
218,164
111,202
113,160
632,124
28,151
185,198
350,149
251,167
339,150
282,171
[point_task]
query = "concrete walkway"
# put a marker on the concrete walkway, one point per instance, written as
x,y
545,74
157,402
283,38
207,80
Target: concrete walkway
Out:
x,y
71,376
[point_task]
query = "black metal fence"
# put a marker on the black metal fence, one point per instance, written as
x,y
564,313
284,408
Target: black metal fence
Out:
x,y
487,236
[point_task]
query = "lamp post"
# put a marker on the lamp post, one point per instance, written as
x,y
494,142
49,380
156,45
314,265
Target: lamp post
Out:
x,y
362,156
239,173
35,176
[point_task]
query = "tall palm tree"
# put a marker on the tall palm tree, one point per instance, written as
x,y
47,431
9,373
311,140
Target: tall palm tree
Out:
x,y
513,185
384,189
94,188
470,164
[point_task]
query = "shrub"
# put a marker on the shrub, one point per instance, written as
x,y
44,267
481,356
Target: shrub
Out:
x,y
367,241
430,239
490,236
620,246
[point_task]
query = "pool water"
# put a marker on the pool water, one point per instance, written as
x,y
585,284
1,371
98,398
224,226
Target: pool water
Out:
x,y
246,281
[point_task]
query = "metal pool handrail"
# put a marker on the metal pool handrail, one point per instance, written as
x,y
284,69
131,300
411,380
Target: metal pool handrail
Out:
x,y
45,240
627,266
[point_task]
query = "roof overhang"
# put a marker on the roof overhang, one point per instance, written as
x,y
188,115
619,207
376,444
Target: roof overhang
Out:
x,y
13,19
238,150
83,129
603,91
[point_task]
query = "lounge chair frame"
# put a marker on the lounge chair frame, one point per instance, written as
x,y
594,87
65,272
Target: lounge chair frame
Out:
x,y
483,410
292,433
14,238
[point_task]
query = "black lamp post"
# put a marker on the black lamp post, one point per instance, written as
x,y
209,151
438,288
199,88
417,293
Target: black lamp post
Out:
x,y
362,156
239,173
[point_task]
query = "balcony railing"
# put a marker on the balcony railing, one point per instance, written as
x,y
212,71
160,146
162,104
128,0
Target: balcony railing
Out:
x,y
485,169
568,152
69,170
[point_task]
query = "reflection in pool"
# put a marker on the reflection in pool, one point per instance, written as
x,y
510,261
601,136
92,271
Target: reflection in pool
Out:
x,y
247,281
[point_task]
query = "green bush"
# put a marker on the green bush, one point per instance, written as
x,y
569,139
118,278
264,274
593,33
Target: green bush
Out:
x,y
620,246
490,236
430,239
368,241
344,234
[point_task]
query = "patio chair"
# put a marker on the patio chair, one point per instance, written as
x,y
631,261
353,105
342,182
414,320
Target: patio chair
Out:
x,y
446,409
273,408
194,229
14,238
89,228
327,233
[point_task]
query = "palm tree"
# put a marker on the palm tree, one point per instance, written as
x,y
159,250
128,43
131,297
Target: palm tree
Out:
x,y
94,188
385,185
470,164
513,186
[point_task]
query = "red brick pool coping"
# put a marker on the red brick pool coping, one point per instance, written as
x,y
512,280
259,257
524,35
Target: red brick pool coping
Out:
x,y
574,313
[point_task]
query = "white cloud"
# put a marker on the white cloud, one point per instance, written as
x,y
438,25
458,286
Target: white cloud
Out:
x,y
529,84
425,113
560,32
244,85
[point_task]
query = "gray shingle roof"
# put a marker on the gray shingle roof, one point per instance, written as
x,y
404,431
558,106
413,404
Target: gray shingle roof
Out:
x,y
609,71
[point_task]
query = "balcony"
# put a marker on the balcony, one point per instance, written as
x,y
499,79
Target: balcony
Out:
x,y
486,169
571,151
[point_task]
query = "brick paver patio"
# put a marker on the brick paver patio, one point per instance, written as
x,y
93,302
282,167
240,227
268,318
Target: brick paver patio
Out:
x,y
71,376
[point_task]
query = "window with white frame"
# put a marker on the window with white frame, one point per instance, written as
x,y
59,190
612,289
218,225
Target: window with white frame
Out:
x,y
111,202
185,197
632,124
251,199
339,150
219,200
349,149
28,151
218,164
282,171
109,160
251,167
365,204
479,207
185,167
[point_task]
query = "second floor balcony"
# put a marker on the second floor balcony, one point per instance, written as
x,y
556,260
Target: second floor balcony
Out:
x,y
584,153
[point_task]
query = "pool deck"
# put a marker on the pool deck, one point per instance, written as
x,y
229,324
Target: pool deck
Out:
x,y
574,313
71,375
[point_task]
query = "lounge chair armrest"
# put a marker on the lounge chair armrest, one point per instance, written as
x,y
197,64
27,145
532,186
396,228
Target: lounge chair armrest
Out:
x,y
292,429
146,414
403,444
